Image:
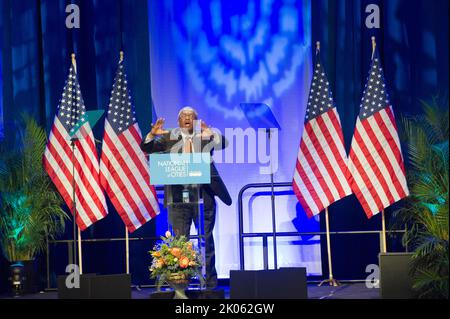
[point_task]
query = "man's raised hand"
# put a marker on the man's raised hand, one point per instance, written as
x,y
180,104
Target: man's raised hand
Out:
x,y
157,129
206,130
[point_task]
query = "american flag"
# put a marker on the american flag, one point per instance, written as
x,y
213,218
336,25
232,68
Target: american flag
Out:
x,y
90,200
320,172
124,171
376,170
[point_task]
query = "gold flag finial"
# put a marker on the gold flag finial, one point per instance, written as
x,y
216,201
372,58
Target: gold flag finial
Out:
x,y
374,44
74,62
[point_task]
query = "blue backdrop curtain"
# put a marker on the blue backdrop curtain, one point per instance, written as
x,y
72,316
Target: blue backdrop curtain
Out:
x,y
1,86
36,49
214,55
35,56
413,45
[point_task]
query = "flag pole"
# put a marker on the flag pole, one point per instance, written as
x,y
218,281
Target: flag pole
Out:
x,y
383,222
333,282
75,226
80,253
127,250
127,239
383,232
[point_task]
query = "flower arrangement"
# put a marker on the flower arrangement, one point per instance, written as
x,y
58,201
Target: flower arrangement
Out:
x,y
175,260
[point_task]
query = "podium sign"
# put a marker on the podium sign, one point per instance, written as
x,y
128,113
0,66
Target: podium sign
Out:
x,y
180,168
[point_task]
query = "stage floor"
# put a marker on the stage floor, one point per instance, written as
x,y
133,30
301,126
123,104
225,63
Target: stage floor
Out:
x,y
345,291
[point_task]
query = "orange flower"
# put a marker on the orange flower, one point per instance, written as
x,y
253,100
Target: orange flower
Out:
x,y
192,263
176,252
184,262
159,263
156,254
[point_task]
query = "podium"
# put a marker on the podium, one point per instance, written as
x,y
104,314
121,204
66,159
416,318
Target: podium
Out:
x,y
176,196
179,198
182,175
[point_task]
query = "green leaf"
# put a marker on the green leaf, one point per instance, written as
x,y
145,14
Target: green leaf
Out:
x,y
425,214
30,205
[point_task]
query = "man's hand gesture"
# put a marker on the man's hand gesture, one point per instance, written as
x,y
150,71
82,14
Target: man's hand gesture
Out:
x,y
206,130
157,129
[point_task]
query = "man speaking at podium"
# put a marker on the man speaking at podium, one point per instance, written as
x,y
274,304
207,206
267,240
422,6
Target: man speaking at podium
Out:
x,y
185,140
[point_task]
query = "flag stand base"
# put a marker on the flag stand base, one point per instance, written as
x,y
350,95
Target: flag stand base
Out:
x,y
332,282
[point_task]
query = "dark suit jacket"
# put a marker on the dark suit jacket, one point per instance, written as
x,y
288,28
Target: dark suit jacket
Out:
x,y
173,142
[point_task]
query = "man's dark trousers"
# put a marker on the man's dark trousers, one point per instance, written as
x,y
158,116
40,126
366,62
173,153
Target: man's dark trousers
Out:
x,y
181,219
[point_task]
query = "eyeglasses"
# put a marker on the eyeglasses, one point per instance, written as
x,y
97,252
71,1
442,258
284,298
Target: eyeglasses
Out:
x,y
186,115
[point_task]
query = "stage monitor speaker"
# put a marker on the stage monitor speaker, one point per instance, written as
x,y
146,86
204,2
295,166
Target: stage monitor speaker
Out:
x,y
243,284
111,286
395,280
284,283
97,287
83,292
